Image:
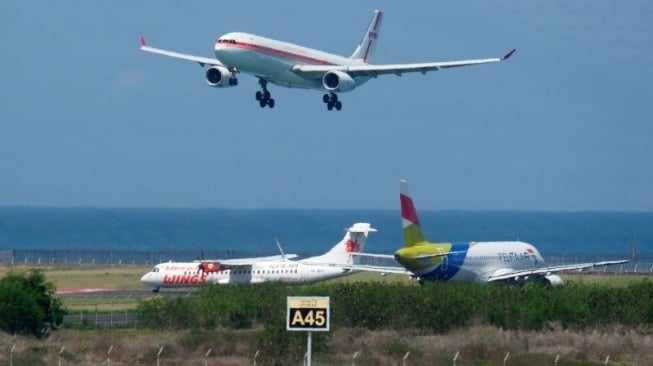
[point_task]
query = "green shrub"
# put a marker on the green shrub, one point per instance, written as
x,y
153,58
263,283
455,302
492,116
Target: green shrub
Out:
x,y
432,308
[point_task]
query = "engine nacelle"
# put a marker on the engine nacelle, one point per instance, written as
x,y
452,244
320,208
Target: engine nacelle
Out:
x,y
554,280
220,77
338,81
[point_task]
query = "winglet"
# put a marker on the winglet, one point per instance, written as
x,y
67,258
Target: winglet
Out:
x,y
143,43
507,55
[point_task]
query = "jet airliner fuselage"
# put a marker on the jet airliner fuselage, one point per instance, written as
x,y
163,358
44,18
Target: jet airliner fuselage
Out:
x,y
274,60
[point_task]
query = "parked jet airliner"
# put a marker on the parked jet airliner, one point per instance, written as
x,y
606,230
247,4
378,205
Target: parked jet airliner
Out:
x,y
500,261
336,262
289,65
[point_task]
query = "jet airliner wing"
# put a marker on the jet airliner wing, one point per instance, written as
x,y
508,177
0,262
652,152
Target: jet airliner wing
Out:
x,y
182,56
421,256
379,269
373,255
397,69
547,270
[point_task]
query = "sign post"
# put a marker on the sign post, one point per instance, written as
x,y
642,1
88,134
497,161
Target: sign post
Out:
x,y
308,313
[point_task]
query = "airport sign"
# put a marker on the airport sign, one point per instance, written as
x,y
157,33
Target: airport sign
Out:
x,y
308,313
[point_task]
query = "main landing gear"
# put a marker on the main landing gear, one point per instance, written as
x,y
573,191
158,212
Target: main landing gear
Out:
x,y
263,96
332,101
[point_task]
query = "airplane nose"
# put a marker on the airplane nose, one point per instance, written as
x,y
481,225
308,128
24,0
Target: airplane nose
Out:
x,y
145,278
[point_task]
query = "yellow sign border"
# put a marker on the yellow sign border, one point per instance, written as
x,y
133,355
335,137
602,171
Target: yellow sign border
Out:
x,y
309,303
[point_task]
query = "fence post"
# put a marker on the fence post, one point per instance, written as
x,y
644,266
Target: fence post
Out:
x,y
158,355
353,359
60,354
206,355
11,355
255,356
109,355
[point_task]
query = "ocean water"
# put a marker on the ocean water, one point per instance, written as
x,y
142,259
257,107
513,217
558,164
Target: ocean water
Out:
x,y
153,235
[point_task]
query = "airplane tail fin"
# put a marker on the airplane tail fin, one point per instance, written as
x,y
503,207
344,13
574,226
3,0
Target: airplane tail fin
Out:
x,y
341,253
366,47
409,220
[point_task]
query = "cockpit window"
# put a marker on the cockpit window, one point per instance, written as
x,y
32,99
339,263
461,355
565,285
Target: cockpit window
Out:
x,y
233,41
155,269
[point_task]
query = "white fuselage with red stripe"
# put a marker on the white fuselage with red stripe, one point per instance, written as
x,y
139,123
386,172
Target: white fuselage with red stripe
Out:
x,y
273,60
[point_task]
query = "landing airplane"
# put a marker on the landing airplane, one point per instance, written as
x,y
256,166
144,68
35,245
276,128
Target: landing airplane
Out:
x,y
510,262
334,263
292,66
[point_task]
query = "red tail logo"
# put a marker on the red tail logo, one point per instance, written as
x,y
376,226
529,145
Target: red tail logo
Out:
x,y
352,246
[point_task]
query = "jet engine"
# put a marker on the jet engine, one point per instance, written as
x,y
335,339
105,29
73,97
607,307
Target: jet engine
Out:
x,y
338,81
220,77
554,280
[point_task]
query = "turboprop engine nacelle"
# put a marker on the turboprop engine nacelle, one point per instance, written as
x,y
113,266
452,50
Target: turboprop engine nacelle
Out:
x,y
220,77
338,81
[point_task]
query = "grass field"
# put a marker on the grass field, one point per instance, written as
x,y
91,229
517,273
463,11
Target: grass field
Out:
x,y
70,278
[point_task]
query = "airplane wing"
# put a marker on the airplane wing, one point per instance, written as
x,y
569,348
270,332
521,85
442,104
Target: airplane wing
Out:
x,y
182,56
421,256
373,255
380,269
503,275
248,261
397,69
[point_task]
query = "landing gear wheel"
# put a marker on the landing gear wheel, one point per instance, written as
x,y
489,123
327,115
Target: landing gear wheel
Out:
x,y
331,100
263,96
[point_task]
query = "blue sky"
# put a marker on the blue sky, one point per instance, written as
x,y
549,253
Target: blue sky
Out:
x,y
89,120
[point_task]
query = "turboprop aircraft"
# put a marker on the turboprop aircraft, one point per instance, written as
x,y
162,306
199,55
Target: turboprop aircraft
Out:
x,y
336,262
293,66
500,261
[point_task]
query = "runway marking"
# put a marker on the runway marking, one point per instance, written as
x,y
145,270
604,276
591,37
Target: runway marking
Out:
x,y
82,291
